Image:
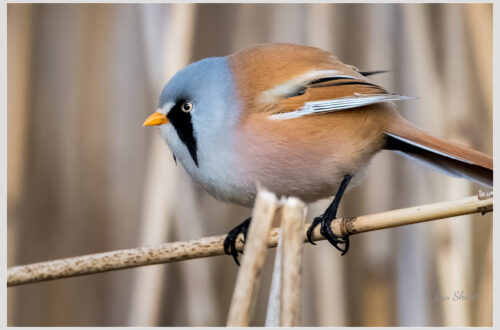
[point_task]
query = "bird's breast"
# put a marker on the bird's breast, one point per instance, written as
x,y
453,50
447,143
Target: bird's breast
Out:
x,y
308,157
219,170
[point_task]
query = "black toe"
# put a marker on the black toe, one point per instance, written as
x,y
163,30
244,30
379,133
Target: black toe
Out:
x,y
326,219
232,236
310,231
335,240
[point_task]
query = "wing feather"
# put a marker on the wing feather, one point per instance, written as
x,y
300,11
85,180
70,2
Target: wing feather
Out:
x,y
343,103
284,78
325,93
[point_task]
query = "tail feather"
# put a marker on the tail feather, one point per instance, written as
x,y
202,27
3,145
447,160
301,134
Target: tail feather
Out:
x,y
451,158
369,73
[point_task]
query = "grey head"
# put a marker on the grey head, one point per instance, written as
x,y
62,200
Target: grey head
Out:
x,y
201,106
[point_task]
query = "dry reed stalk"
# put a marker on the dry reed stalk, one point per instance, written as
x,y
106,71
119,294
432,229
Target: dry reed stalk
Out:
x,y
453,253
19,56
212,246
424,73
274,300
159,198
247,282
479,30
484,305
292,227
478,19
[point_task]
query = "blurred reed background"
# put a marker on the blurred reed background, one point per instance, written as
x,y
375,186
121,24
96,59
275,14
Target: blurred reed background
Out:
x,y
84,176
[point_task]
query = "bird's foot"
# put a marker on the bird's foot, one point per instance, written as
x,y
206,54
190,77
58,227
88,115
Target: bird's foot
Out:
x,y
327,232
232,236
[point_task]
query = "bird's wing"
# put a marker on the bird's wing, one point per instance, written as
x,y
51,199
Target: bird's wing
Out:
x,y
326,93
290,81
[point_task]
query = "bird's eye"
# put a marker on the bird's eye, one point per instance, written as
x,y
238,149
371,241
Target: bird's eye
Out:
x,y
187,107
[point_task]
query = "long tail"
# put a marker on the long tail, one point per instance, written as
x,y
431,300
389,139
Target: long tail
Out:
x,y
451,158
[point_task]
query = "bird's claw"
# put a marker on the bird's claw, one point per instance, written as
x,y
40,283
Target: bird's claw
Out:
x,y
327,232
232,236
310,231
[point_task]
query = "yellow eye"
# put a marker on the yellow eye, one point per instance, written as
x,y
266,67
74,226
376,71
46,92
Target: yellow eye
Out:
x,y
187,107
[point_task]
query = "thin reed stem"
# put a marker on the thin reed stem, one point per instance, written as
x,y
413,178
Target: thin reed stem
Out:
x,y
212,246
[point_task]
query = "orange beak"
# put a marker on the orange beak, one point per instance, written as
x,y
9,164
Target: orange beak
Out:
x,y
156,118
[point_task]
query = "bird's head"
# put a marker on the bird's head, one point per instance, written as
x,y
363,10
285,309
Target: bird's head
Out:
x,y
196,107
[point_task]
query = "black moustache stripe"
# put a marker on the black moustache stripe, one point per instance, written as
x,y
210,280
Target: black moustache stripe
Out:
x,y
184,127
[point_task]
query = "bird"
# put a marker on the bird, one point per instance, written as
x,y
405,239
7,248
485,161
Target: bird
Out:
x,y
297,121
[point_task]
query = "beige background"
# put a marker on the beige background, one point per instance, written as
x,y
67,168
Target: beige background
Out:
x,y
84,176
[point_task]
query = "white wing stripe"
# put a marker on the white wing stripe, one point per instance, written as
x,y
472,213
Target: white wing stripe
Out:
x,y
338,104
